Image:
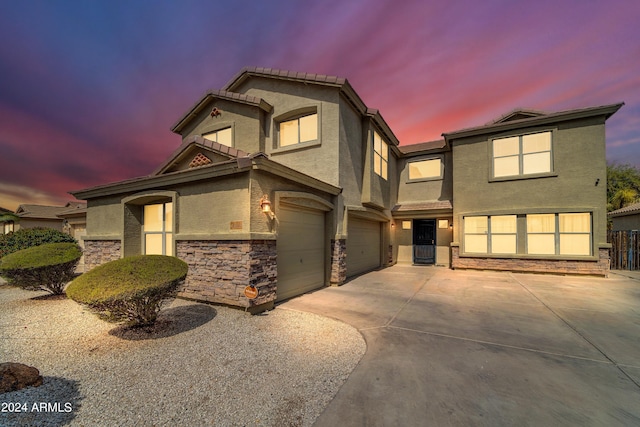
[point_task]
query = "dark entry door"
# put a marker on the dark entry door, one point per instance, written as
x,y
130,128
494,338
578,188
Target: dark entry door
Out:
x,y
424,241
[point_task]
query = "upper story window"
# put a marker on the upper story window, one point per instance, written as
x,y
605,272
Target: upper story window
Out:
x,y
522,155
380,156
299,130
425,169
222,136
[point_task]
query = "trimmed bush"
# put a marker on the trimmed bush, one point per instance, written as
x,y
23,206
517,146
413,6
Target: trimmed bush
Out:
x,y
29,237
130,289
48,267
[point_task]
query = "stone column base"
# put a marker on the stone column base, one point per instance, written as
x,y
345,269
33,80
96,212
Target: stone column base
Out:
x,y
338,261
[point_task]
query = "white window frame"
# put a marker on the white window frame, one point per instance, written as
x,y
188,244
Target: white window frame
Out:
x,y
521,155
380,156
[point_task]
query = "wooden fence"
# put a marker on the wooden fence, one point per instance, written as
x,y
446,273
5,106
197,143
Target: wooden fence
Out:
x,y
625,249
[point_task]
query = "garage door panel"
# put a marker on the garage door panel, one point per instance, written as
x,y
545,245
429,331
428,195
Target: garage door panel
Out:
x,y
301,251
363,246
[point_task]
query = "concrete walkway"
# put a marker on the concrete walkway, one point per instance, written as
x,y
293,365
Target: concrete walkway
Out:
x,y
486,348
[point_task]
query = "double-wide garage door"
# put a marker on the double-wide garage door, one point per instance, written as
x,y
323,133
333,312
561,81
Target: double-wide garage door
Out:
x,y
301,251
363,245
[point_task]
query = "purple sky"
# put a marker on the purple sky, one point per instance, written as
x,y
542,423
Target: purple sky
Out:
x,y
89,89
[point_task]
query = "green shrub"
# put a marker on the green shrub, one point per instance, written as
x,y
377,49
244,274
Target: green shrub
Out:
x,y
29,237
48,267
130,289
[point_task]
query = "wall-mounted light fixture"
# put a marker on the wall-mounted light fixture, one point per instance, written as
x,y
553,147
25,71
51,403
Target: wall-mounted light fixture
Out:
x,y
265,206
215,112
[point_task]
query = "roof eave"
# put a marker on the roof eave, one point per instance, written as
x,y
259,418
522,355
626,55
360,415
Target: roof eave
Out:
x,y
605,110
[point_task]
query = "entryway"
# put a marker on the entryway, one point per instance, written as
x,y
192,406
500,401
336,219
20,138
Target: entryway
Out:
x,y
424,241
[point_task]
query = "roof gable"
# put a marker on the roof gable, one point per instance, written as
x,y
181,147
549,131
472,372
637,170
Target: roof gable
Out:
x,y
197,151
40,211
210,95
518,114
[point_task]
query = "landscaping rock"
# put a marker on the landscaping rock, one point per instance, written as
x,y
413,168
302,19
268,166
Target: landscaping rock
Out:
x,y
16,376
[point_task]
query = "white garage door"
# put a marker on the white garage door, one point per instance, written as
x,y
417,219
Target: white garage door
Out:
x,y
363,246
300,250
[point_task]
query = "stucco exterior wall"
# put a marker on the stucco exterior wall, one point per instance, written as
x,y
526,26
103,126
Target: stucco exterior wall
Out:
x,y
319,159
627,222
425,190
578,181
56,224
245,122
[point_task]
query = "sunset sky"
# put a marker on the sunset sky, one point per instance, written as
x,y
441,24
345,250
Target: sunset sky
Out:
x,y
90,89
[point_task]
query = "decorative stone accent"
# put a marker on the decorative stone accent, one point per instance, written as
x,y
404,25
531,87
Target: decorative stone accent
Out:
x,y
98,252
338,261
219,271
598,267
16,376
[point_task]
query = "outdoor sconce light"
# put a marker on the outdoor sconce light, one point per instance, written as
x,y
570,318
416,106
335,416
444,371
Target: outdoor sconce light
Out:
x,y
265,206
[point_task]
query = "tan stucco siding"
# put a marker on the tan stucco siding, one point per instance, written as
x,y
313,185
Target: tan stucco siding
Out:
x,y
210,207
433,189
319,159
578,163
105,216
627,222
244,120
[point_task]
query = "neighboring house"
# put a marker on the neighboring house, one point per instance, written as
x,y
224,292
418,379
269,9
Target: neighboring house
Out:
x,y
32,216
6,221
289,182
627,218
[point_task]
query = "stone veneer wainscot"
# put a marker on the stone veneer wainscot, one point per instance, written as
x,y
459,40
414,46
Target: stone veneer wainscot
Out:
x,y
598,267
338,261
219,271
98,252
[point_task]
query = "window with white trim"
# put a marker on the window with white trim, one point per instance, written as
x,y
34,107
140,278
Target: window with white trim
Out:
x,y
222,136
158,229
380,156
496,234
559,234
298,130
522,155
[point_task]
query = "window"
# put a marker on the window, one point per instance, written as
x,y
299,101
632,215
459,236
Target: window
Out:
x,y
522,155
559,234
158,229
299,130
406,225
222,136
8,227
490,234
380,156
422,169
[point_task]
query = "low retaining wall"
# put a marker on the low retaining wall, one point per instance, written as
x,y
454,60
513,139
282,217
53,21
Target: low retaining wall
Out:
x,y
598,267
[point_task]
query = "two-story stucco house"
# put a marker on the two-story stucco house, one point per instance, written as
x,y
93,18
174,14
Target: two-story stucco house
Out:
x,y
289,182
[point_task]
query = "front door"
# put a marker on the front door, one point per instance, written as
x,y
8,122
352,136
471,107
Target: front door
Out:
x,y
424,241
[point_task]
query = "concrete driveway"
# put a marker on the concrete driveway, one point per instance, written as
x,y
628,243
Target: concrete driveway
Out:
x,y
486,348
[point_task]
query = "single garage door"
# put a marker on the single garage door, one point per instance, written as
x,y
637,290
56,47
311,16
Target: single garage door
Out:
x,y
363,246
300,249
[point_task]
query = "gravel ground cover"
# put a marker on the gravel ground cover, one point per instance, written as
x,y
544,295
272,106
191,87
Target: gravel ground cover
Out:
x,y
201,365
